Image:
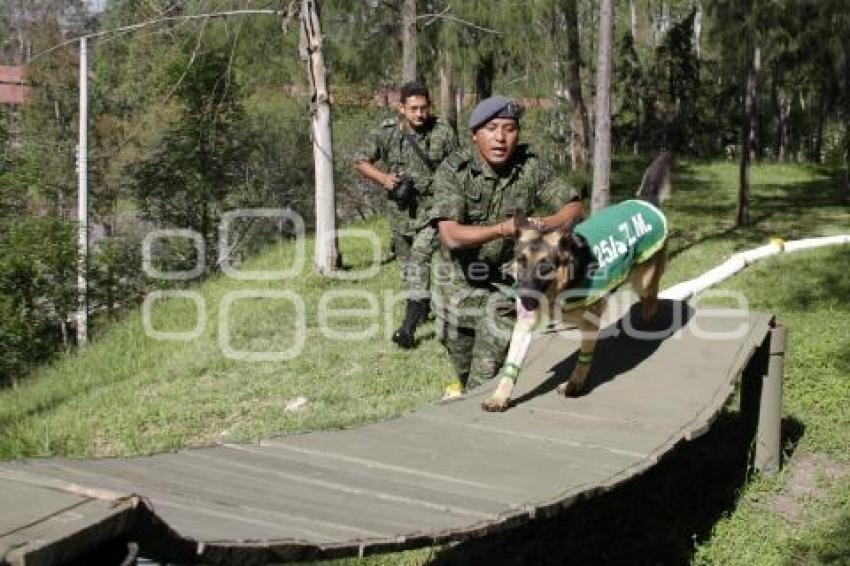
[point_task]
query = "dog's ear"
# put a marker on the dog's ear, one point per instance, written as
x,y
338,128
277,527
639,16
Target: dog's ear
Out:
x,y
569,245
520,218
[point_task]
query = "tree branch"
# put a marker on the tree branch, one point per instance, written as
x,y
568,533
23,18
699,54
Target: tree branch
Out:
x,y
444,16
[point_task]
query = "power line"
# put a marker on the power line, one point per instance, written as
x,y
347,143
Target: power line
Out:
x,y
156,21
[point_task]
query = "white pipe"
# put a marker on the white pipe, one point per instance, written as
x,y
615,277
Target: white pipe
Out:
x,y
816,242
737,262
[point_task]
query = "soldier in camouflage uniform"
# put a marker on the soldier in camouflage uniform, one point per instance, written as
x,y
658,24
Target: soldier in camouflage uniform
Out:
x,y
476,192
410,149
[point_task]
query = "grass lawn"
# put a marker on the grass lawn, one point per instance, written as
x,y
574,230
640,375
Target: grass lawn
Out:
x,y
129,393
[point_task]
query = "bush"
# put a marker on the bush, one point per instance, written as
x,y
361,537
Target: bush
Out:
x,y
37,290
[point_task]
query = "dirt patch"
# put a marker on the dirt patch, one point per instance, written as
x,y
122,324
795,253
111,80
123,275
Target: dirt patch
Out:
x,y
809,477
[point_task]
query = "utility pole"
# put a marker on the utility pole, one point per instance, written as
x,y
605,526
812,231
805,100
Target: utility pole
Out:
x,y
83,205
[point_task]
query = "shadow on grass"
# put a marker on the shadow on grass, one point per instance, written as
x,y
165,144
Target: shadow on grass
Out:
x,y
789,210
832,548
828,282
656,518
47,405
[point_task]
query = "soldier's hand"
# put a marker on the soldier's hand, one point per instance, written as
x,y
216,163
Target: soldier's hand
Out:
x,y
391,180
537,223
508,228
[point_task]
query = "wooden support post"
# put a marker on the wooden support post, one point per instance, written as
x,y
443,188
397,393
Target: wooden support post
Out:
x,y
768,457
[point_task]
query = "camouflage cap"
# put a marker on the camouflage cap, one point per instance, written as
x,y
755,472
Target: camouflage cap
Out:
x,y
494,107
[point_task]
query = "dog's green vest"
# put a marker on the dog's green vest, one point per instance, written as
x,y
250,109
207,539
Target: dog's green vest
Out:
x,y
619,237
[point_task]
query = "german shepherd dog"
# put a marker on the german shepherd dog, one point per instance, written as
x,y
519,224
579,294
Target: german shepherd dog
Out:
x,y
548,264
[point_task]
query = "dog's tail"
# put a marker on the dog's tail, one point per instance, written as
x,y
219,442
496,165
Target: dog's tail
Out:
x,y
655,184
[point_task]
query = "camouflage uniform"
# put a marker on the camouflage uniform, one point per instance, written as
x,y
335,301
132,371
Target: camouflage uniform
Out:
x,y
387,145
469,191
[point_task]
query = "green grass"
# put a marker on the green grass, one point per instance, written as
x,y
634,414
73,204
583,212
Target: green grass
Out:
x,y
130,394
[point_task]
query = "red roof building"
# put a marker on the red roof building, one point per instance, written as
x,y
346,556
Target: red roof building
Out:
x,y
13,87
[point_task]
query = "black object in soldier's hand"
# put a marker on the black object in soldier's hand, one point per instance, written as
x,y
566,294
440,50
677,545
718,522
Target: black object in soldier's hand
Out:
x,y
404,192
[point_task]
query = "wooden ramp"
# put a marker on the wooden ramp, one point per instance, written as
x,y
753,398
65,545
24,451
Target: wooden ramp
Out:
x,y
444,473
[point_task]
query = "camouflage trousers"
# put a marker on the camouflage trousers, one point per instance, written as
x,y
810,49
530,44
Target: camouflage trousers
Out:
x,y
400,244
477,345
416,271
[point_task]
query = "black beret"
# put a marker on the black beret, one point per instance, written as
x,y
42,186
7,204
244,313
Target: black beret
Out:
x,y
494,107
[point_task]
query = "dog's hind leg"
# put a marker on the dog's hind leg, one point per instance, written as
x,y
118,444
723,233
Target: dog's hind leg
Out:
x,y
645,280
588,324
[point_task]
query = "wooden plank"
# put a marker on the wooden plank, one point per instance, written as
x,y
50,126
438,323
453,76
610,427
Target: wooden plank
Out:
x,y
198,518
169,479
571,429
513,463
342,480
384,472
65,534
22,504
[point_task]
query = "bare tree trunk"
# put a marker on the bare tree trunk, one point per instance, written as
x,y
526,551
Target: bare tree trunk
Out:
x,y
748,139
602,144
484,77
633,10
579,142
698,30
561,97
753,112
823,110
408,40
846,191
448,107
326,257
784,104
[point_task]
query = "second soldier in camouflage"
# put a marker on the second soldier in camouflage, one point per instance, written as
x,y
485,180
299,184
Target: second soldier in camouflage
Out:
x,y
408,150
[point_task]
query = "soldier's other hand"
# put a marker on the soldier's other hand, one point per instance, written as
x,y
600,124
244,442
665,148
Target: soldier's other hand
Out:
x,y
536,223
510,228
391,181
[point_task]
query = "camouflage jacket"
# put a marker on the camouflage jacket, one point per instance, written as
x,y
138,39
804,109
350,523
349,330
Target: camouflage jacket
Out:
x,y
387,145
470,192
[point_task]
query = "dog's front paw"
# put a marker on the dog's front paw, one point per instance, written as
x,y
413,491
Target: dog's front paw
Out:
x,y
495,405
500,399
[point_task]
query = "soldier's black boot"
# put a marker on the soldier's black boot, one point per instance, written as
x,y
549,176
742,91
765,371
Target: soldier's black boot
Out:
x,y
415,313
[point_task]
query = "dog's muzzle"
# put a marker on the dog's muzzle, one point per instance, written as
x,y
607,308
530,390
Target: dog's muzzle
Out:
x,y
530,301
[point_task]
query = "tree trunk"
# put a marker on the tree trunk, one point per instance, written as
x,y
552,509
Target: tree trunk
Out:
x,y
602,144
698,30
408,40
748,139
484,77
753,111
579,142
846,191
634,27
326,256
784,104
448,107
823,110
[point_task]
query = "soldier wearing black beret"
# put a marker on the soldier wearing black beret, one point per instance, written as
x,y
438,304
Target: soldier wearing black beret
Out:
x,y
475,193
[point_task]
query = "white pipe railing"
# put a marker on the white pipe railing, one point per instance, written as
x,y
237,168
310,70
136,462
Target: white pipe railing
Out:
x,y
737,262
